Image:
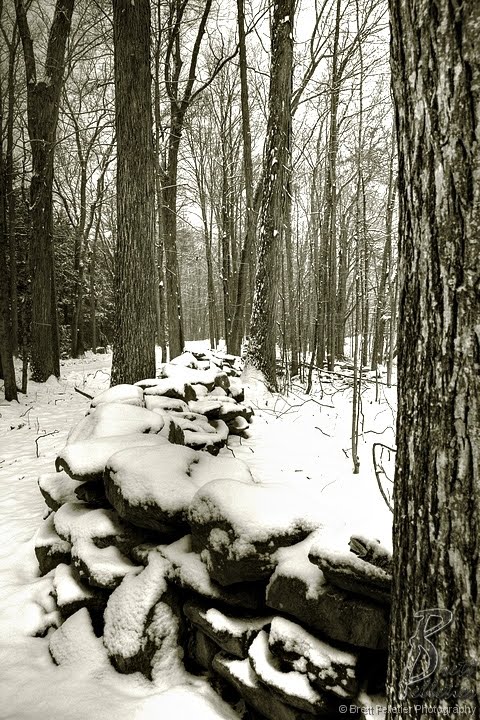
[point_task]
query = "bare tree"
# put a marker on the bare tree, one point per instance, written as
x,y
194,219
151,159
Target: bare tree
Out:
x,y
43,99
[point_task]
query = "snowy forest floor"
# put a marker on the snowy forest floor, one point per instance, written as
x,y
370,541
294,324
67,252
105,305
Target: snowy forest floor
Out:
x,y
293,436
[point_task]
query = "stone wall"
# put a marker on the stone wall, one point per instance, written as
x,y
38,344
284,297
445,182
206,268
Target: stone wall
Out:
x,y
176,556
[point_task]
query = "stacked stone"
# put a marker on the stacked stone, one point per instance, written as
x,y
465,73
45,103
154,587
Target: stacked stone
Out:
x,y
165,555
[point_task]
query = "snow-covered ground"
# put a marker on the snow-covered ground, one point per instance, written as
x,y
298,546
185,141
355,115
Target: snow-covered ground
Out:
x,y
293,438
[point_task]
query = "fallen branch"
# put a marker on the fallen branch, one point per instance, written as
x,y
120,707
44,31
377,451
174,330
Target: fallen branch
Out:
x,y
81,392
40,438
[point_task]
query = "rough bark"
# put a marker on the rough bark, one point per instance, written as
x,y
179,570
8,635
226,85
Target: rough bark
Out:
x,y
436,82
43,98
135,319
6,355
277,162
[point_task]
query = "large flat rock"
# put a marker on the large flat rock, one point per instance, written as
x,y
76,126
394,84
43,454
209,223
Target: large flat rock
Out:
x,y
237,527
300,589
153,487
349,572
115,419
85,460
188,572
241,675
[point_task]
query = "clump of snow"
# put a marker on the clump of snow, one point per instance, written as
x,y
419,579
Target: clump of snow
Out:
x,y
76,643
129,394
167,665
87,458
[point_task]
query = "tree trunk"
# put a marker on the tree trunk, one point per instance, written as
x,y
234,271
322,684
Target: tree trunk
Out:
x,y
261,351
6,355
135,320
436,85
251,209
43,98
172,277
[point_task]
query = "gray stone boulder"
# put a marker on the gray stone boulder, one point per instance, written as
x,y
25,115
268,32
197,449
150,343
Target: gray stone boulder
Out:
x,y
57,489
175,388
85,460
125,394
237,527
187,572
71,593
290,686
328,669
300,589
347,571
240,674
115,419
153,488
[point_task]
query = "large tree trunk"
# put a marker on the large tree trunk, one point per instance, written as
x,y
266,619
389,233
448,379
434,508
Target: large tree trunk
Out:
x,y
135,319
262,346
436,83
43,98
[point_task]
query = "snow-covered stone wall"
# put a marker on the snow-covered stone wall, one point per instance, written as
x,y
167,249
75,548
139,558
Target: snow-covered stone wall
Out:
x,y
167,555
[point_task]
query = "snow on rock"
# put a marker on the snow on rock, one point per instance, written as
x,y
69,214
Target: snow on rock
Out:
x,y
86,459
75,643
241,675
115,419
153,488
102,567
232,634
208,378
57,488
77,521
162,635
71,593
291,686
187,571
237,527
128,609
50,548
159,402
173,387
186,359
352,573
299,588
129,394
327,668
211,440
